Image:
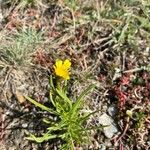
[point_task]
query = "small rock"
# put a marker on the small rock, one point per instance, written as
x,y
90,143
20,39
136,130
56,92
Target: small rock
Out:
x,y
117,74
24,125
102,147
112,110
110,128
20,97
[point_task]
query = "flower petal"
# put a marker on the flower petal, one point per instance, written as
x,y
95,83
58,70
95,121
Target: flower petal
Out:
x,y
58,63
61,68
65,75
67,64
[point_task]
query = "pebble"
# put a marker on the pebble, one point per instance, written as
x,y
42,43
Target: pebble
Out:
x,y
112,110
24,125
110,128
102,147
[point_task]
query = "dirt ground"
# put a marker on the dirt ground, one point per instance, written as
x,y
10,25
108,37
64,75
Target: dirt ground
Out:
x,y
108,43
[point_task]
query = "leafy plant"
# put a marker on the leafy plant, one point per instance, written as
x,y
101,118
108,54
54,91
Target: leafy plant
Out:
x,y
139,119
70,122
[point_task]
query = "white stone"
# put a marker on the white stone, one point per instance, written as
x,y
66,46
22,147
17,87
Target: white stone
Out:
x,y
111,128
112,110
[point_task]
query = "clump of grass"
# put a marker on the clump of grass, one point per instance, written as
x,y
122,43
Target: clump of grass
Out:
x,y
72,4
20,47
22,3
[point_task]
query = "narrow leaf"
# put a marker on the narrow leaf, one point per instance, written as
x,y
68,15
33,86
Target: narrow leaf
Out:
x,y
64,96
80,98
40,105
84,118
46,137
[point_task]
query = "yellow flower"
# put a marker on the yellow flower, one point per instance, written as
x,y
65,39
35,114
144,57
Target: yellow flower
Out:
x,y
62,68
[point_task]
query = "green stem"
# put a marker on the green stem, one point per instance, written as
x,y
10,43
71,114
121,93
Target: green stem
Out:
x,y
58,84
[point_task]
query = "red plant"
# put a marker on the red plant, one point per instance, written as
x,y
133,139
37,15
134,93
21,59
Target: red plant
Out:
x,y
121,96
124,80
